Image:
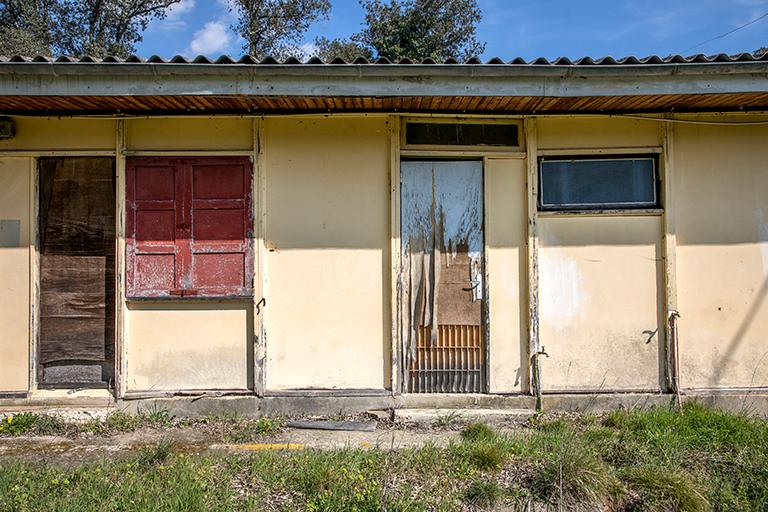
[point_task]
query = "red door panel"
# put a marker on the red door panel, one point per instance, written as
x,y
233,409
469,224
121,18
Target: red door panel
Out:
x,y
190,227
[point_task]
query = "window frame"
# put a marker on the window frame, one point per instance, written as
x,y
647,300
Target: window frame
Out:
x,y
461,120
582,208
185,249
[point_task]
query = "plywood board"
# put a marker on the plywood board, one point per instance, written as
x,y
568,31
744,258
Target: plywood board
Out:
x,y
77,230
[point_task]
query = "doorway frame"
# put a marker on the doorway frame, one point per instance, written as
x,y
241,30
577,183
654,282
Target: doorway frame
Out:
x,y
35,367
34,255
397,152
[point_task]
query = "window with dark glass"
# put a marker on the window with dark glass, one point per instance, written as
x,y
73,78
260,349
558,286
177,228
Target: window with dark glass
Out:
x,y
628,182
462,134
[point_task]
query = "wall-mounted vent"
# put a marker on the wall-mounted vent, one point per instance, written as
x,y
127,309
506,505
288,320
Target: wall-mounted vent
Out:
x,y
7,128
496,135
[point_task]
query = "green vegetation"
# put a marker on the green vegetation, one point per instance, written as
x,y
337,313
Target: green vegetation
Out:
x,y
448,419
697,459
243,430
231,429
31,423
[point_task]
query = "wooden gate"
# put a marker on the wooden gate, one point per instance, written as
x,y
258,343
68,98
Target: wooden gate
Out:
x,y
442,300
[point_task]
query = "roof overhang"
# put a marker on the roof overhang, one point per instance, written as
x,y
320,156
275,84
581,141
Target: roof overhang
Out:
x,y
130,87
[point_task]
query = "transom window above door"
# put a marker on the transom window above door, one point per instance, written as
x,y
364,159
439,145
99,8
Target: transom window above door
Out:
x,y
457,134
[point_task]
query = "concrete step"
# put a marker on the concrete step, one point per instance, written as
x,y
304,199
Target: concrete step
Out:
x,y
448,417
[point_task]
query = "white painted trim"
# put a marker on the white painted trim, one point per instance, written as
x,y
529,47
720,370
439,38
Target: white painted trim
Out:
x,y
669,244
532,185
655,150
34,274
395,248
189,153
121,309
12,153
444,152
260,203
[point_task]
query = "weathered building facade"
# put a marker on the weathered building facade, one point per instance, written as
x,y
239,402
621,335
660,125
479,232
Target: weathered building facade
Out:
x,y
383,230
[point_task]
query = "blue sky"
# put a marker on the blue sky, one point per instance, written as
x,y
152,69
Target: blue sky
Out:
x,y
511,28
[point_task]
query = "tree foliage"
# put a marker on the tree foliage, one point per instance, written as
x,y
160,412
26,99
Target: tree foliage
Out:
x,y
761,51
329,49
416,30
275,27
76,27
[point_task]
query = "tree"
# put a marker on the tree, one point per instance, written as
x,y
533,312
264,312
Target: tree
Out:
x,y
25,26
419,29
761,51
76,27
274,27
329,49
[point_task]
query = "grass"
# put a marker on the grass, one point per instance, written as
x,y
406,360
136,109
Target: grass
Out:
x,y
449,419
696,459
245,430
32,423
232,429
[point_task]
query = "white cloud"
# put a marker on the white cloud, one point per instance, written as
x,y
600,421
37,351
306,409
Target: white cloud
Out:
x,y
174,17
176,11
213,38
307,51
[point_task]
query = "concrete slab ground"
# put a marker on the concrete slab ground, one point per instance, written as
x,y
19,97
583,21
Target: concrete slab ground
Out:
x,y
449,416
750,401
77,450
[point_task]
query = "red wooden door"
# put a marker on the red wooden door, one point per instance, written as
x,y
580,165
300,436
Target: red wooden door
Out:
x,y
189,227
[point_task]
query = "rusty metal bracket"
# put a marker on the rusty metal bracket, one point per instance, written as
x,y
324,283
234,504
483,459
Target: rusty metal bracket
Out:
x,y
262,302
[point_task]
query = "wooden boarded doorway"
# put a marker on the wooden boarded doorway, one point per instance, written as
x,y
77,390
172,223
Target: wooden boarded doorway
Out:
x,y
77,272
442,300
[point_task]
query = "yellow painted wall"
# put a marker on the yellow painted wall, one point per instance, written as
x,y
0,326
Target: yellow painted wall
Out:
x,y
721,216
506,265
14,276
328,316
192,345
41,134
197,134
573,133
600,287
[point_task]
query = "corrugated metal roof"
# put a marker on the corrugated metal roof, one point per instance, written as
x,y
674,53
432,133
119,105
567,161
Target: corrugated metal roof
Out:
x,y
541,61
87,85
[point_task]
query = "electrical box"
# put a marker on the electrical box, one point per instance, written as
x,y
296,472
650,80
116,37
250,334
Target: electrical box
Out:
x,y
7,128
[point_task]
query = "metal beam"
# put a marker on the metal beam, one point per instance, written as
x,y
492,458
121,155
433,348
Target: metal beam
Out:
x,y
388,80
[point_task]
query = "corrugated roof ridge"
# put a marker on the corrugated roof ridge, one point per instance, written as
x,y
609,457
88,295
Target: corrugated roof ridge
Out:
x,y
632,60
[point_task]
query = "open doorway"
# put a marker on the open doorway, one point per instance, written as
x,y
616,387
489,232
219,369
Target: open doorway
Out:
x,y
76,336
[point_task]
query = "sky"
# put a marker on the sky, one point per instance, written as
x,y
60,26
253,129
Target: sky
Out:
x,y
510,28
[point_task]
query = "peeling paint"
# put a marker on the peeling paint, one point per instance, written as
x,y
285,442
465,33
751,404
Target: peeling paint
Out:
x,y
562,279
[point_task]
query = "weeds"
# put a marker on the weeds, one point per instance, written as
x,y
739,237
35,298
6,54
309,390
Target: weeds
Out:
x,y
664,489
157,416
696,459
31,423
477,432
156,454
483,493
448,420
250,430
120,421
